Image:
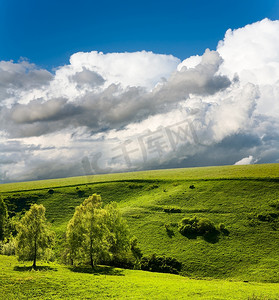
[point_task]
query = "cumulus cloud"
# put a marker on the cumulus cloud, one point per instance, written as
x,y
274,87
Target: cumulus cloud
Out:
x,y
245,161
133,111
116,105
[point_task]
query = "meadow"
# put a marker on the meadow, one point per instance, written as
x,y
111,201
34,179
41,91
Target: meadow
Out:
x,y
241,262
54,281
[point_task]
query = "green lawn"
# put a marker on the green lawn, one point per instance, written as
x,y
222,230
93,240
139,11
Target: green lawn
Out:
x,y
244,198
54,281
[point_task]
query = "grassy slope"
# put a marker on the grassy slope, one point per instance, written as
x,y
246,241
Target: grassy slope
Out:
x,y
232,195
59,282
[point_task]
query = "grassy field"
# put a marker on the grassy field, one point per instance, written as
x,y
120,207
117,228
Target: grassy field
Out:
x,y
53,281
244,198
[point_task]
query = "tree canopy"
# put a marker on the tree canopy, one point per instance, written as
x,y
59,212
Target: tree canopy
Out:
x,y
95,233
34,236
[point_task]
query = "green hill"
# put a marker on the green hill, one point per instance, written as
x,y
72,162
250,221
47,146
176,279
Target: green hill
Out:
x,y
53,281
244,198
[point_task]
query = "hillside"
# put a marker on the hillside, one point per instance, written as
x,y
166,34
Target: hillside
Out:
x,y
54,281
244,198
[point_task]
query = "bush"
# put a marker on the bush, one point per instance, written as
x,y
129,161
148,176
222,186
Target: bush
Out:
x,y
80,193
172,210
193,227
8,248
161,264
118,261
267,217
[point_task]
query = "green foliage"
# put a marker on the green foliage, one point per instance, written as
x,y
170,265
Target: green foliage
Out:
x,y
9,247
172,210
267,216
3,219
196,226
96,234
118,228
34,238
135,248
161,264
192,227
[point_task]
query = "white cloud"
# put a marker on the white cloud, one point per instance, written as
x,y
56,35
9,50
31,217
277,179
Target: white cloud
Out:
x,y
252,53
143,68
206,110
245,161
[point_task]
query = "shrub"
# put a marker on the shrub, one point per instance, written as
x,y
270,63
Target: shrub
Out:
x,y
193,227
80,193
50,191
120,261
162,264
205,226
191,187
172,210
8,248
267,217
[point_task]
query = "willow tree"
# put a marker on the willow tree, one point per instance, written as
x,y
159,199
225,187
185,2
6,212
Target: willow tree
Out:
x,y
120,237
95,233
34,236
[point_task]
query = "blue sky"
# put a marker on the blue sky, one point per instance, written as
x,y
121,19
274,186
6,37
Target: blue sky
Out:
x,y
48,32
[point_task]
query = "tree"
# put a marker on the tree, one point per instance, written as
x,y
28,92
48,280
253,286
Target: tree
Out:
x,y
34,236
95,233
119,231
3,218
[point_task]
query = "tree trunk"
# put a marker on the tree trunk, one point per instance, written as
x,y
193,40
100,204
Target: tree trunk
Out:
x,y
91,256
35,256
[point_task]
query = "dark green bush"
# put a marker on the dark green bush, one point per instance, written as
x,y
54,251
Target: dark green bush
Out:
x,y
172,210
80,193
124,262
193,227
267,217
162,264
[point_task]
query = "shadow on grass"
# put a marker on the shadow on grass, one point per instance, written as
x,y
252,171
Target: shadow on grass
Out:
x,y
38,268
98,270
170,233
210,237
